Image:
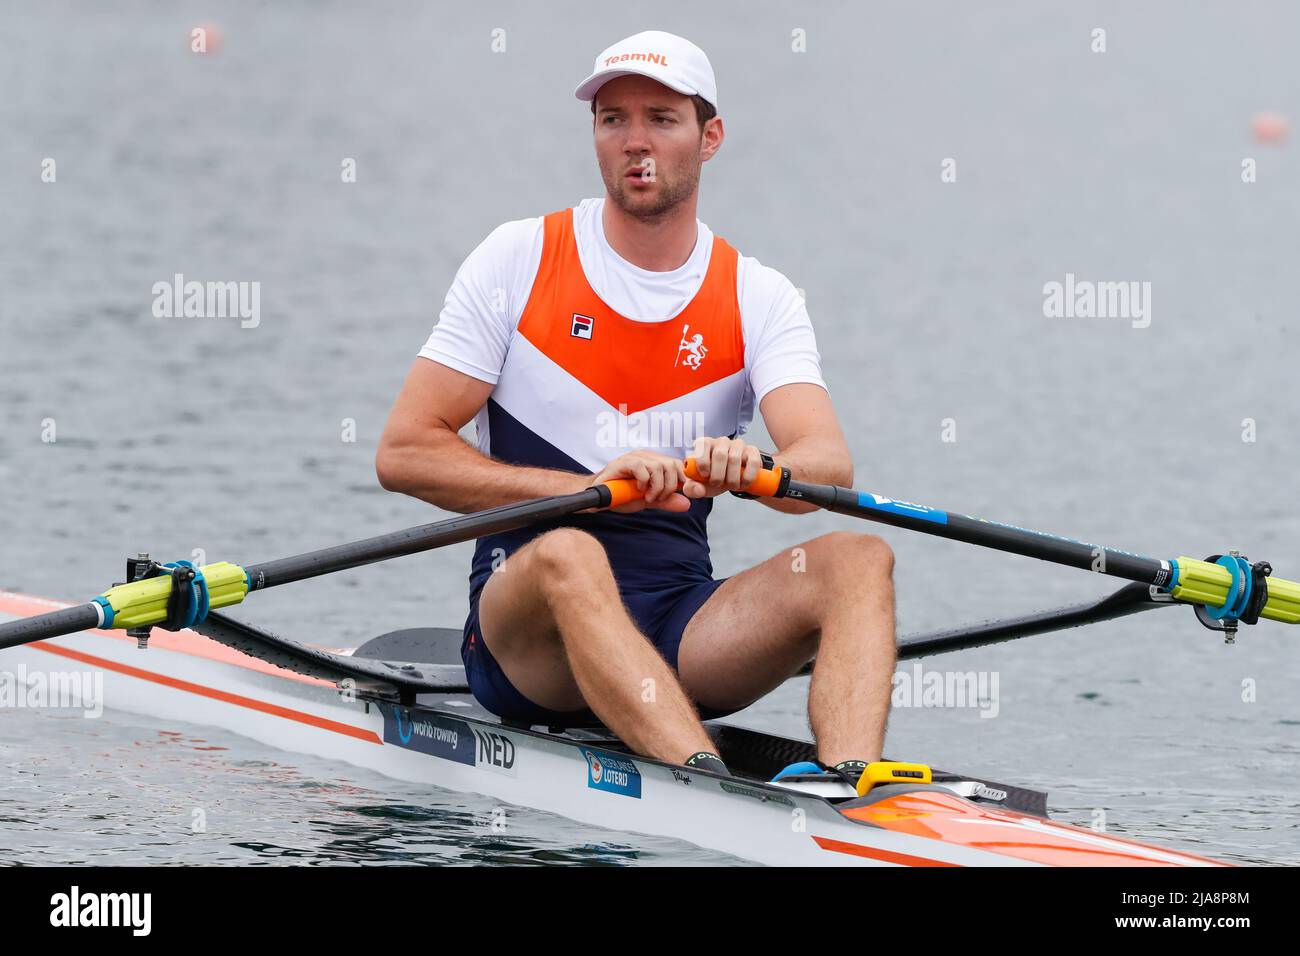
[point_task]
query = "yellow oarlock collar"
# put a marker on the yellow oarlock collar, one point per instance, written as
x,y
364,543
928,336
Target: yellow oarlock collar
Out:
x,y
143,603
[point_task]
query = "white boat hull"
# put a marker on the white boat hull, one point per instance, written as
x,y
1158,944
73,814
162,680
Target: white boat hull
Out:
x,y
184,678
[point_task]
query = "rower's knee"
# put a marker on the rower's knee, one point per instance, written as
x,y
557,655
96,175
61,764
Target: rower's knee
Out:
x,y
876,553
568,560
858,555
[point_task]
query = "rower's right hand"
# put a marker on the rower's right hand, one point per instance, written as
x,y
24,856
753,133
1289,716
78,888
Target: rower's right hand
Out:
x,y
657,476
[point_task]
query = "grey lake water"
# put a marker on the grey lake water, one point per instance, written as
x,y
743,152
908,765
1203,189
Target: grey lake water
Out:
x,y
846,123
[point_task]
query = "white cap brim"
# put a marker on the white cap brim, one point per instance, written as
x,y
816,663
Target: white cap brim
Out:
x,y
586,90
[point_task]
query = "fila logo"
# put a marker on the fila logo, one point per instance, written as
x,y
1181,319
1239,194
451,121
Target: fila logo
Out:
x,y
582,326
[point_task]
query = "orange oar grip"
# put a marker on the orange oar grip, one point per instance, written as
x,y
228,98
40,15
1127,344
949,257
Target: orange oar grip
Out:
x,y
623,490
766,485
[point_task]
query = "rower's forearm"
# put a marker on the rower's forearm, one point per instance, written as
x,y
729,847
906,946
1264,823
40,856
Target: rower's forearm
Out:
x,y
451,474
816,461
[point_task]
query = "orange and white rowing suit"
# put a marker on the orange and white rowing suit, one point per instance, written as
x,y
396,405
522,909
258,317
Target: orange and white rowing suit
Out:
x,y
592,357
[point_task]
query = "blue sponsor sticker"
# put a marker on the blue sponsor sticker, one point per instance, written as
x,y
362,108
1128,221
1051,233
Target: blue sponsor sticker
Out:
x,y
880,503
612,773
431,734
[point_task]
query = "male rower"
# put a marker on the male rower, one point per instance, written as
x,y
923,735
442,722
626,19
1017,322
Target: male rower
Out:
x,y
613,340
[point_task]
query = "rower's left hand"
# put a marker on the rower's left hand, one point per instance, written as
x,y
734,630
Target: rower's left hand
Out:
x,y
725,464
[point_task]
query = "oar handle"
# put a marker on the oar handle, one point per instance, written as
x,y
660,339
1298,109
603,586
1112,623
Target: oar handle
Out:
x,y
622,491
770,483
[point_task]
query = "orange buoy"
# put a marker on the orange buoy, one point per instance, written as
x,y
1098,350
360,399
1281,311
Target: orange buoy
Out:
x,y
1270,128
205,38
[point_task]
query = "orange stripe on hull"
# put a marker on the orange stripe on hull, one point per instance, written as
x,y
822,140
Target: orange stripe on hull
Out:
x,y
274,710
952,820
185,642
874,853
1208,861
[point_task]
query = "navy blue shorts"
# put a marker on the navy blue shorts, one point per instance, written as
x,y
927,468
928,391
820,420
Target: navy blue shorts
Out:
x,y
661,616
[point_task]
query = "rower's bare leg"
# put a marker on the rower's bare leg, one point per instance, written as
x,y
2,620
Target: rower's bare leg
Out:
x,y
832,598
553,619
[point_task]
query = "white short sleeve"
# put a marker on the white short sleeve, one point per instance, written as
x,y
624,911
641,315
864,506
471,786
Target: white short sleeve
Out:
x,y
486,300
780,347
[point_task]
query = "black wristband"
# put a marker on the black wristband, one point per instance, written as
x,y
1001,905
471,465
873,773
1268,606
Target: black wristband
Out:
x,y
768,464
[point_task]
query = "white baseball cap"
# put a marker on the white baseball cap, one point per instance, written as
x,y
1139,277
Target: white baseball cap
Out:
x,y
675,62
